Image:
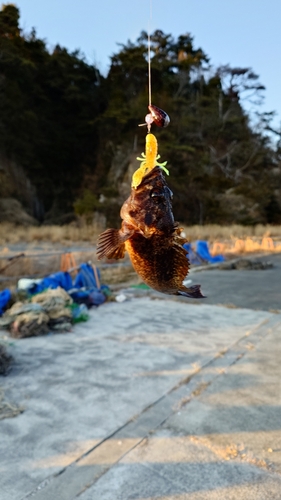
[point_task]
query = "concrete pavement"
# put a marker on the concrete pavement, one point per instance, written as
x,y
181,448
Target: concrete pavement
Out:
x,y
254,289
151,399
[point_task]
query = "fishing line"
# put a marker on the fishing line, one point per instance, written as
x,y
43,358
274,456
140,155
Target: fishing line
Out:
x,y
149,72
156,115
149,56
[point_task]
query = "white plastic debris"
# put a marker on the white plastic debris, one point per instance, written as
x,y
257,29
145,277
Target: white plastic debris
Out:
x,y
121,297
187,282
25,283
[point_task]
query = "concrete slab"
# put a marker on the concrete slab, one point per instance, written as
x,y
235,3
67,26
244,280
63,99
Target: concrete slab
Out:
x,y
80,388
224,443
254,289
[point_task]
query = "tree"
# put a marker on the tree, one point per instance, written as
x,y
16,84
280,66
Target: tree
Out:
x,y
210,144
49,103
75,132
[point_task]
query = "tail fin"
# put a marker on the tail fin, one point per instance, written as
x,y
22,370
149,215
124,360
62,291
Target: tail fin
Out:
x,y
193,292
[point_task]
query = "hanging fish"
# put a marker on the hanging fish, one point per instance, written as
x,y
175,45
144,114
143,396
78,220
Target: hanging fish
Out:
x,y
148,231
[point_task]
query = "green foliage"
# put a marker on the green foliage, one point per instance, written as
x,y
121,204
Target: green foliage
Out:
x,y
66,125
49,103
87,204
9,21
209,145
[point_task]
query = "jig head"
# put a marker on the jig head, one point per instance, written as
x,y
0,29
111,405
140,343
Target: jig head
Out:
x,y
157,116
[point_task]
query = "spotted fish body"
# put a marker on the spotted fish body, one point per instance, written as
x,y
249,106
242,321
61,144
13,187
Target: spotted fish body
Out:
x,y
151,237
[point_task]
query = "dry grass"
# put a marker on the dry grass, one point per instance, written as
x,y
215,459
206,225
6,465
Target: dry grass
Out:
x,y
215,232
73,233
235,239
11,234
231,240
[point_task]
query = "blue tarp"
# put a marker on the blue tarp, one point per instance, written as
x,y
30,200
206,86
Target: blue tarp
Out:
x,y
192,256
5,296
93,292
86,288
92,297
202,250
62,279
86,277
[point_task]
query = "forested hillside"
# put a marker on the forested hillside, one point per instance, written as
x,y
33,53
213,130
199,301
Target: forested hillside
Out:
x,y
74,133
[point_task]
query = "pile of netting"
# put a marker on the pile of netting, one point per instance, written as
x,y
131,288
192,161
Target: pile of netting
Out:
x,y
47,311
53,303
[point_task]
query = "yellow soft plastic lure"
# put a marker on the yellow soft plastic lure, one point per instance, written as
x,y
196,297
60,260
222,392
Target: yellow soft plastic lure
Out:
x,y
148,160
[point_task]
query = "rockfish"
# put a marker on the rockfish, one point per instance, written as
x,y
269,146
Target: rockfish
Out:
x,y
151,237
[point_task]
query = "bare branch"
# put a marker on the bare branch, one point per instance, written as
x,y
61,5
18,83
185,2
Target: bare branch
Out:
x,y
226,156
277,132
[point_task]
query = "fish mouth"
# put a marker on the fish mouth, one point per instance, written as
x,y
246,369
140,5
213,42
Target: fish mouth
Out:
x,y
152,175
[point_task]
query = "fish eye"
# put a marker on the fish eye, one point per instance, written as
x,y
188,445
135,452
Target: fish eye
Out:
x,y
157,194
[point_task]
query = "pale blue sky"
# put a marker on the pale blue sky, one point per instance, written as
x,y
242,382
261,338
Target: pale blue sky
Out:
x,y
243,33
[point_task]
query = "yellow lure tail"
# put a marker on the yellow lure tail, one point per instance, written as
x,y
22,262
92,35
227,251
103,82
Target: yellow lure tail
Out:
x,y
148,160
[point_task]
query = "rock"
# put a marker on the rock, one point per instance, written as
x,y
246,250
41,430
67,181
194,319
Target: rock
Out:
x,y
11,210
5,360
245,264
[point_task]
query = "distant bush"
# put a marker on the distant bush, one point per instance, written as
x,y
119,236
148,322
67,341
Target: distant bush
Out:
x,y
87,204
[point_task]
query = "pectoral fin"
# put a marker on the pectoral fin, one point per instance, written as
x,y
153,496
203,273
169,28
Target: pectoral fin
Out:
x,y
111,244
193,292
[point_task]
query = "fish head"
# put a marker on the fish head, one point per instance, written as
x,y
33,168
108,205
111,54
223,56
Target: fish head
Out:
x,y
149,207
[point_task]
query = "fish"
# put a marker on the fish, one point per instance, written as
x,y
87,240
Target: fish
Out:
x,y
151,237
